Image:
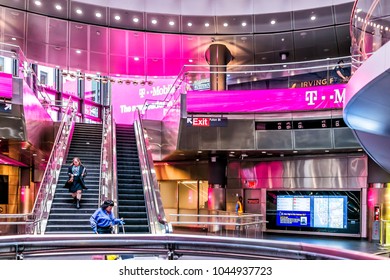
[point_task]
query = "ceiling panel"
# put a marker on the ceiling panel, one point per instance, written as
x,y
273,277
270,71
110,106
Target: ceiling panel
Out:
x,y
125,19
162,23
18,4
198,24
58,8
303,19
236,24
342,13
283,22
14,22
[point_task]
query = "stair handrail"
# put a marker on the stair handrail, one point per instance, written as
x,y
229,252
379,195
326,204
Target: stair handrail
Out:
x,y
107,182
42,204
157,219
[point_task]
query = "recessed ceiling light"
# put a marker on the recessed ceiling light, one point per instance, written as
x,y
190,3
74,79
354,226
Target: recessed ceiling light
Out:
x,y
99,15
135,19
38,3
117,17
273,21
207,24
190,60
154,21
243,24
282,39
78,51
78,11
313,17
136,58
13,39
225,24
58,7
189,24
171,23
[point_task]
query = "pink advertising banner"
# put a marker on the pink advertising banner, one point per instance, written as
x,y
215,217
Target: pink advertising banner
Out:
x,y
5,85
127,98
261,101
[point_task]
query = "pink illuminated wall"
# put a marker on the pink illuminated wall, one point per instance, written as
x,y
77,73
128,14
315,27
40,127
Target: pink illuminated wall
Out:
x,y
5,85
261,101
127,98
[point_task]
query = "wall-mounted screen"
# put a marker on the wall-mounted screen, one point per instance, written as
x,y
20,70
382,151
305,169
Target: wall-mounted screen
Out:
x,y
311,211
322,211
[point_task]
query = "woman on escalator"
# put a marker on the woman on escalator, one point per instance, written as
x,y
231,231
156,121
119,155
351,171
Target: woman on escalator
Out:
x,y
77,173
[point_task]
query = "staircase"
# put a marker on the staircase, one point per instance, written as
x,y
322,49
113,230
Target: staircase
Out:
x,y
131,199
64,217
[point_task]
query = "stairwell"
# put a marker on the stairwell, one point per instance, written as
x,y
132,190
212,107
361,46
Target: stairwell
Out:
x,y
64,217
131,198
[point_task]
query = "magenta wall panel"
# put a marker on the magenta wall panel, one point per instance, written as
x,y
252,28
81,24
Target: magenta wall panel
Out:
x,y
154,45
117,40
261,101
136,44
117,64
172,46
5,85
155,67
136,67
98,62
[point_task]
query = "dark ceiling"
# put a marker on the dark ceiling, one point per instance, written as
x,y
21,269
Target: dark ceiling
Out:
x,y
109,46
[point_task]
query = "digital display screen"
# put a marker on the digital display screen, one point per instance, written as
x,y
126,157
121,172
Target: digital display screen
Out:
x,y
300,124
312,211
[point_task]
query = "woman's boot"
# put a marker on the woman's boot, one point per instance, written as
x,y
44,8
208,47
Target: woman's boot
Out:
x,y
78,206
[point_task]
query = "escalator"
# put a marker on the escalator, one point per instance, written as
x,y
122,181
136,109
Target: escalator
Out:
x,y
131,198
64,217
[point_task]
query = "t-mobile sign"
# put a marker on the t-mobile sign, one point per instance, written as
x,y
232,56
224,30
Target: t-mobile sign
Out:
x,y
261,101
150,99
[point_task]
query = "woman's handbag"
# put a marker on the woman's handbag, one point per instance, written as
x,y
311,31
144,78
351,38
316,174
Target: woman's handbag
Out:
x,y
68,184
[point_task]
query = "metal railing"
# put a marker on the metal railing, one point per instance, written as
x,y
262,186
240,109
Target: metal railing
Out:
x,y
35,221
155,209
168,247
218,222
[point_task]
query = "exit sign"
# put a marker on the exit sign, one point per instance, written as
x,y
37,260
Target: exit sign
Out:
x,y
200,121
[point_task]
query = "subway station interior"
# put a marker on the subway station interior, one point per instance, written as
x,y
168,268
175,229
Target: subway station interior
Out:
x,y
177,109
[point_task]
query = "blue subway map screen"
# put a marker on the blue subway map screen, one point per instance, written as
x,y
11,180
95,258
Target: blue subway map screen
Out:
x,y
317,211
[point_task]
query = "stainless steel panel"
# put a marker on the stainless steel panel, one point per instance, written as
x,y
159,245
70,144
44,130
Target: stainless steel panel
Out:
x,y
344,138
332,172
358,166
312,139
271,140
188,138
239,134
153,129
208,138
233,183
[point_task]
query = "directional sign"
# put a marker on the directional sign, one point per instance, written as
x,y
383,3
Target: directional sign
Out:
x,y
5,107
206,122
